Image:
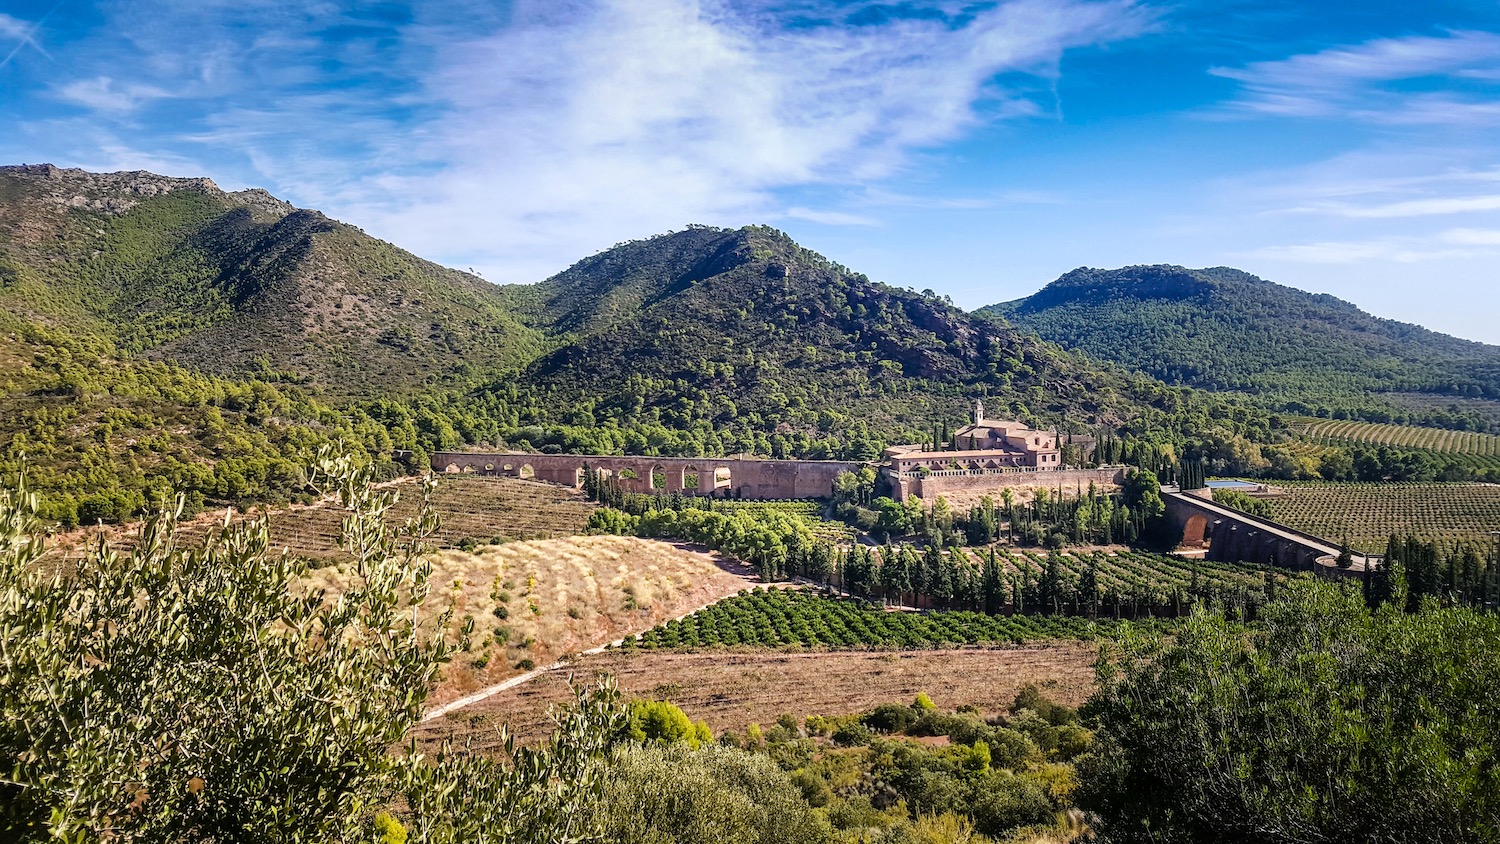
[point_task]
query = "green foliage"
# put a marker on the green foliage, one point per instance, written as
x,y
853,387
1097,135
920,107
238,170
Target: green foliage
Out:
x,y
1322,722
783,617
199,694
662,722
1225,330
716,795
1244,503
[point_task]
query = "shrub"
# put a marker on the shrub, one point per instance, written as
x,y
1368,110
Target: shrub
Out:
x,y
715,795
663,722
890,718
118,719
852,735
1322,722
1004,802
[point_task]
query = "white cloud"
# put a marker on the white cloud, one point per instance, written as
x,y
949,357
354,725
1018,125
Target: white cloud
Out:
x,y
22,31
577,127
1410,208
1365,81
103,93
829,218
1472,237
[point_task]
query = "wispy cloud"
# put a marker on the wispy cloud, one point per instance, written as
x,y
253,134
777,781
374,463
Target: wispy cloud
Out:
x,y
103,93
1409,208
621,116
1404,250
829,218
516,142
1411,80
20,31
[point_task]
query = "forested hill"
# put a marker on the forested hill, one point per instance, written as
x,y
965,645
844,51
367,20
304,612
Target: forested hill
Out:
x,y
1223,329
162,334
238,284
744,329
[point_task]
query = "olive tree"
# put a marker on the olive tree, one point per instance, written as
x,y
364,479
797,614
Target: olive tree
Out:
x,y
198,692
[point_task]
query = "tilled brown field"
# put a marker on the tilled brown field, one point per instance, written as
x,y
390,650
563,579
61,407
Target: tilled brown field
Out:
x,y
732,689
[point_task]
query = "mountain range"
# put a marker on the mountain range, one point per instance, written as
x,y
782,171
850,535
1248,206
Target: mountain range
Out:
x,y
160,333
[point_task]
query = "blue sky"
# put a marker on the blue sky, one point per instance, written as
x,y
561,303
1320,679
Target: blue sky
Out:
x,y
979,149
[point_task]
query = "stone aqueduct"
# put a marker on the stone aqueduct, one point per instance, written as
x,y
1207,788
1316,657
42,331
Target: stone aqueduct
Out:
x,y
720,477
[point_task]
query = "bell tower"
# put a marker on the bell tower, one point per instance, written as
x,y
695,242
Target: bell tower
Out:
x,y
978,412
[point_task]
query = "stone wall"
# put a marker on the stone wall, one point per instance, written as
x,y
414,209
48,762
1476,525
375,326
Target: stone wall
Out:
x,y
959,484
716,476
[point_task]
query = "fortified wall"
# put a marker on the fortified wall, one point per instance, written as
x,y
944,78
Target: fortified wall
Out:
x,y
955,483
720,477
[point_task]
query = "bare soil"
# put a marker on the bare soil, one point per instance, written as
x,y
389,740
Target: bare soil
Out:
x,y
734,688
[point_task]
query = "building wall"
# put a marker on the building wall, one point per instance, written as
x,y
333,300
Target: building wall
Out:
x,y
754,479
944,483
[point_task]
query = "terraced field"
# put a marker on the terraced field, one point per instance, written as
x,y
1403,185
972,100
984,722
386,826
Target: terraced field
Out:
x,y
472,510
1127,571
1483,450
1368,513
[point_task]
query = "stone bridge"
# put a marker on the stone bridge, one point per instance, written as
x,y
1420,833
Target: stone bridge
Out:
x,y
721,477
1232,536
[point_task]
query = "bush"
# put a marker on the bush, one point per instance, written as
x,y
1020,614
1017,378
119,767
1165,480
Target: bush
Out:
x,y
715,795
1323,722
1004,802
663,722
852,735
890,718
137,719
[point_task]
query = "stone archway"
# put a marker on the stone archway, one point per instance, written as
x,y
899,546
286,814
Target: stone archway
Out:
x,y
451,469
1193,532
691,483
723,479
658,478
526,472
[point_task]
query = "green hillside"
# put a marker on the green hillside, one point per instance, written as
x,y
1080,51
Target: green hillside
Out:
x,y
743,330
242,284
1226,330
161,334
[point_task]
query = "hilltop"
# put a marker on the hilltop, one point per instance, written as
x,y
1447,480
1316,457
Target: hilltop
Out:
x,y
725,327
1226,330
238,284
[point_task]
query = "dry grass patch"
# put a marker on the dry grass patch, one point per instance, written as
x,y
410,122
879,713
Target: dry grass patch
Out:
x,y
534,602
732,689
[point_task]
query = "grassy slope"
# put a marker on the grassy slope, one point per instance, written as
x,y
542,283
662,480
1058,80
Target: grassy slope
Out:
x,y
1223,329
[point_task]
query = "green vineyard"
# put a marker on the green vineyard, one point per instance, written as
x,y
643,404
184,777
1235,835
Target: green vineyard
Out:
x,y
1368,514
785,617
1482,450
